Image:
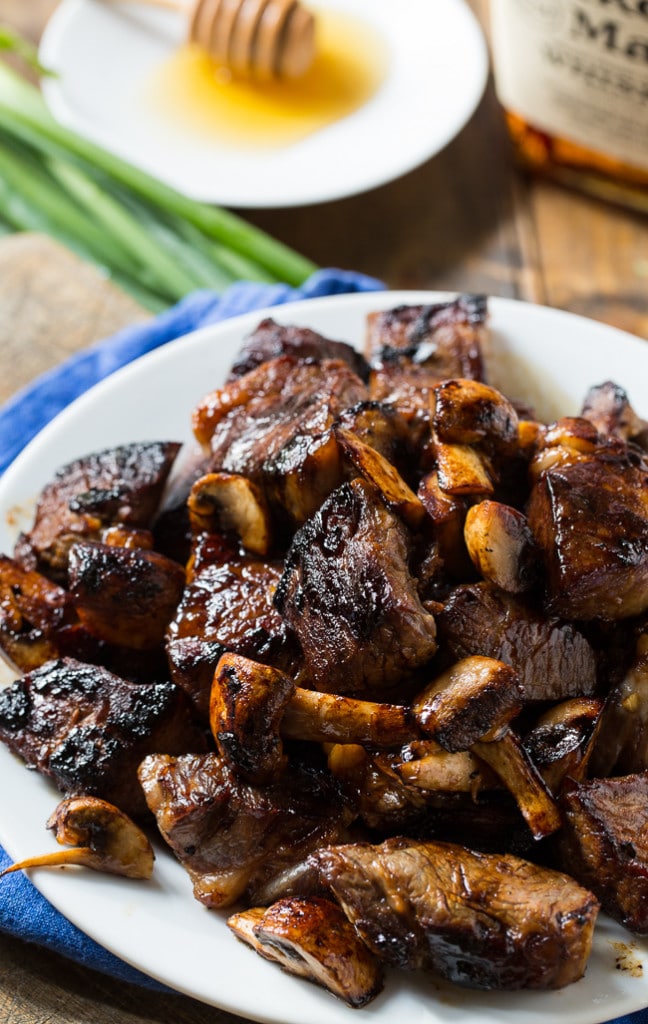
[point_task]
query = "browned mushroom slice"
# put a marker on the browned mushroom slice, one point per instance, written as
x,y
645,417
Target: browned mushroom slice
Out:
x,y
467,412
604,844
223,502
448,513
501,546
474,699
461,469
508,758
247,705
99,836
561,742
483,920
312,938
253,706
117,486
124,596
375,468
430,767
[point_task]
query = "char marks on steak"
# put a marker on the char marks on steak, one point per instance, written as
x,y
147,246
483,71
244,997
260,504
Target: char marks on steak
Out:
x,y
482,920
234,838
88,730
349,597
270,340
412,348
121,485
552,658
273,426
604,844
227,606
589,516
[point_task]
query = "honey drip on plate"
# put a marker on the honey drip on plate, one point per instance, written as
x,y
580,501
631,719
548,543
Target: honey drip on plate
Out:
x,y
207,100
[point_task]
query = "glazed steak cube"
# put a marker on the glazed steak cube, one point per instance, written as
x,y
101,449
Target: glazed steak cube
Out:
x,y
273,426
117,486
271,340
590,519
482,920
348,595
88,729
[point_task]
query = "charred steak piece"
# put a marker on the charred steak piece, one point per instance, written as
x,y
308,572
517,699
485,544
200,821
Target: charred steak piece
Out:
x,y
117,486
227,607
482,920
604,844
621,746
348,595
88,730
273,426
412,348
33,613
553,660
124,596
234,838
589,516
271,340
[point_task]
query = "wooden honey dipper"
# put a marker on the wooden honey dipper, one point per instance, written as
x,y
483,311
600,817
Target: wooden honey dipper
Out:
x,y
254,38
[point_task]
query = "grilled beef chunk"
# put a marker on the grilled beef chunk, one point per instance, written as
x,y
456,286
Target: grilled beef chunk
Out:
x,y
484,921
589,516
553,660
234,838
348,595
123,596
608,407
273,426
604,844
412,348
119,485
227,606
88,729
271,340
311,937
35,614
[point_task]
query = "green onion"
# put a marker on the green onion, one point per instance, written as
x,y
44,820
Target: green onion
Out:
x,y
233,245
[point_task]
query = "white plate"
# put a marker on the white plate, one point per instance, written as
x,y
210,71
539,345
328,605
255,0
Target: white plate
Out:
x,y
105,53
157,926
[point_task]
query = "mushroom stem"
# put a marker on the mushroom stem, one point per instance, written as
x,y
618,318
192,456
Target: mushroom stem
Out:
x,y
74,855
509,760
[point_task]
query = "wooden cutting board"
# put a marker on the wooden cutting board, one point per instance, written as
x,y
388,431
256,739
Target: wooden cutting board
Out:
x,y
52,304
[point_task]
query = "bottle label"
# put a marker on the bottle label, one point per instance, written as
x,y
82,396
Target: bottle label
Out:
x,y
577,69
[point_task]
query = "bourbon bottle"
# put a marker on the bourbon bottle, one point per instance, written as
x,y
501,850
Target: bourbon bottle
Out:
x,y
572,77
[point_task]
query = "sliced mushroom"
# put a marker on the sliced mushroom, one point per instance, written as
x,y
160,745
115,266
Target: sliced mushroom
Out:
x,y
99,836
508,758
253,706
461,469
562,741
475,699
467,412
312,938
437,770
222,502
501,546
375,468
448,513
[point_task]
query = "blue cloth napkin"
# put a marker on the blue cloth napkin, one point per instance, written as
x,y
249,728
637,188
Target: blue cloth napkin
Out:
x,y
23,911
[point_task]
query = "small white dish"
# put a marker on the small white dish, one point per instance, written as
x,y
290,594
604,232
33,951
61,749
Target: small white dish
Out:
x,y
545,356
105,53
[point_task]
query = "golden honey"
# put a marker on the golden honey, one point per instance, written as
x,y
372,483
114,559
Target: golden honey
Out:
x,y
209,101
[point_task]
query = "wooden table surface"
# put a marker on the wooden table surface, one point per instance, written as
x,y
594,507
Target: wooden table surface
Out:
x,y
466,220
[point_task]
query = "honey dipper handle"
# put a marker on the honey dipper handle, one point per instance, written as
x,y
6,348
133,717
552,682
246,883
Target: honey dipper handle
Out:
x,y
184,6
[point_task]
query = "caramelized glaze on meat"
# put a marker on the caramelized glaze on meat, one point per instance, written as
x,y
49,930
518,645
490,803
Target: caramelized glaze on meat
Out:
x,y
348,595
485,921
271,340
87,729
118,485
